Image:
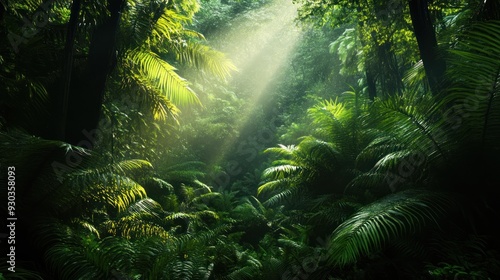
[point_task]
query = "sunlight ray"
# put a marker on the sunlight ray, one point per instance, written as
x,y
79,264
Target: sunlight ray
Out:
x,y
260,53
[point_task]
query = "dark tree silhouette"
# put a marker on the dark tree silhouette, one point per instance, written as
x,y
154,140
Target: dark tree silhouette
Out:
x,y
427,44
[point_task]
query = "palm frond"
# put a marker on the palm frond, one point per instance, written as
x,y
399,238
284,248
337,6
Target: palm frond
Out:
x,y
125,168
137,23
274,185
31,100
282,150
162,75
169,24
415,76
379,147
329,118
85,225
475,77
189,7
412,120
316,152
181,215
342,122
118,192
145,205
334,213
257,204
392,160
374,225
152,98
280,197
371,181
186,172
205,198
30,5
204,58
157,186
136,225
281,171
152,22
88,258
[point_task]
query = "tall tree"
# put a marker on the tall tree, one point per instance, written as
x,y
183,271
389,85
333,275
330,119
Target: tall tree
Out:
x,y
382,29
61,107
424,30
84,104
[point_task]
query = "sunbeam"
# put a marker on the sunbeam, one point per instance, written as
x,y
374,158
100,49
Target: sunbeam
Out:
x,y
260,53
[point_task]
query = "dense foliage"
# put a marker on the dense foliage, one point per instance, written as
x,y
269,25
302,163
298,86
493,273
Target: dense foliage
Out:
x,y
132,147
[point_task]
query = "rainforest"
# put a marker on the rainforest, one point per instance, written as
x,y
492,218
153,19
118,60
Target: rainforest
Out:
x,y
249,139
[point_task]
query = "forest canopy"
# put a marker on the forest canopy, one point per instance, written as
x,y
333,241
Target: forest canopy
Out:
x,y
249,139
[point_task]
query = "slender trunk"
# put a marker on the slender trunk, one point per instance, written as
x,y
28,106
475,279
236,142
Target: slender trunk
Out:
x,y
3,28
3,8
84,107
62,102
427,44
371,78
371,83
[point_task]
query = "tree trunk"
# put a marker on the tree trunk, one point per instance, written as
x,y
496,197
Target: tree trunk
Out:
x,y
85,102
371,83
61,101
3,8
427,44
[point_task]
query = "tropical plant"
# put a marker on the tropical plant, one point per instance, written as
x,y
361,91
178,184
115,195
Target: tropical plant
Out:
x,y
325,162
